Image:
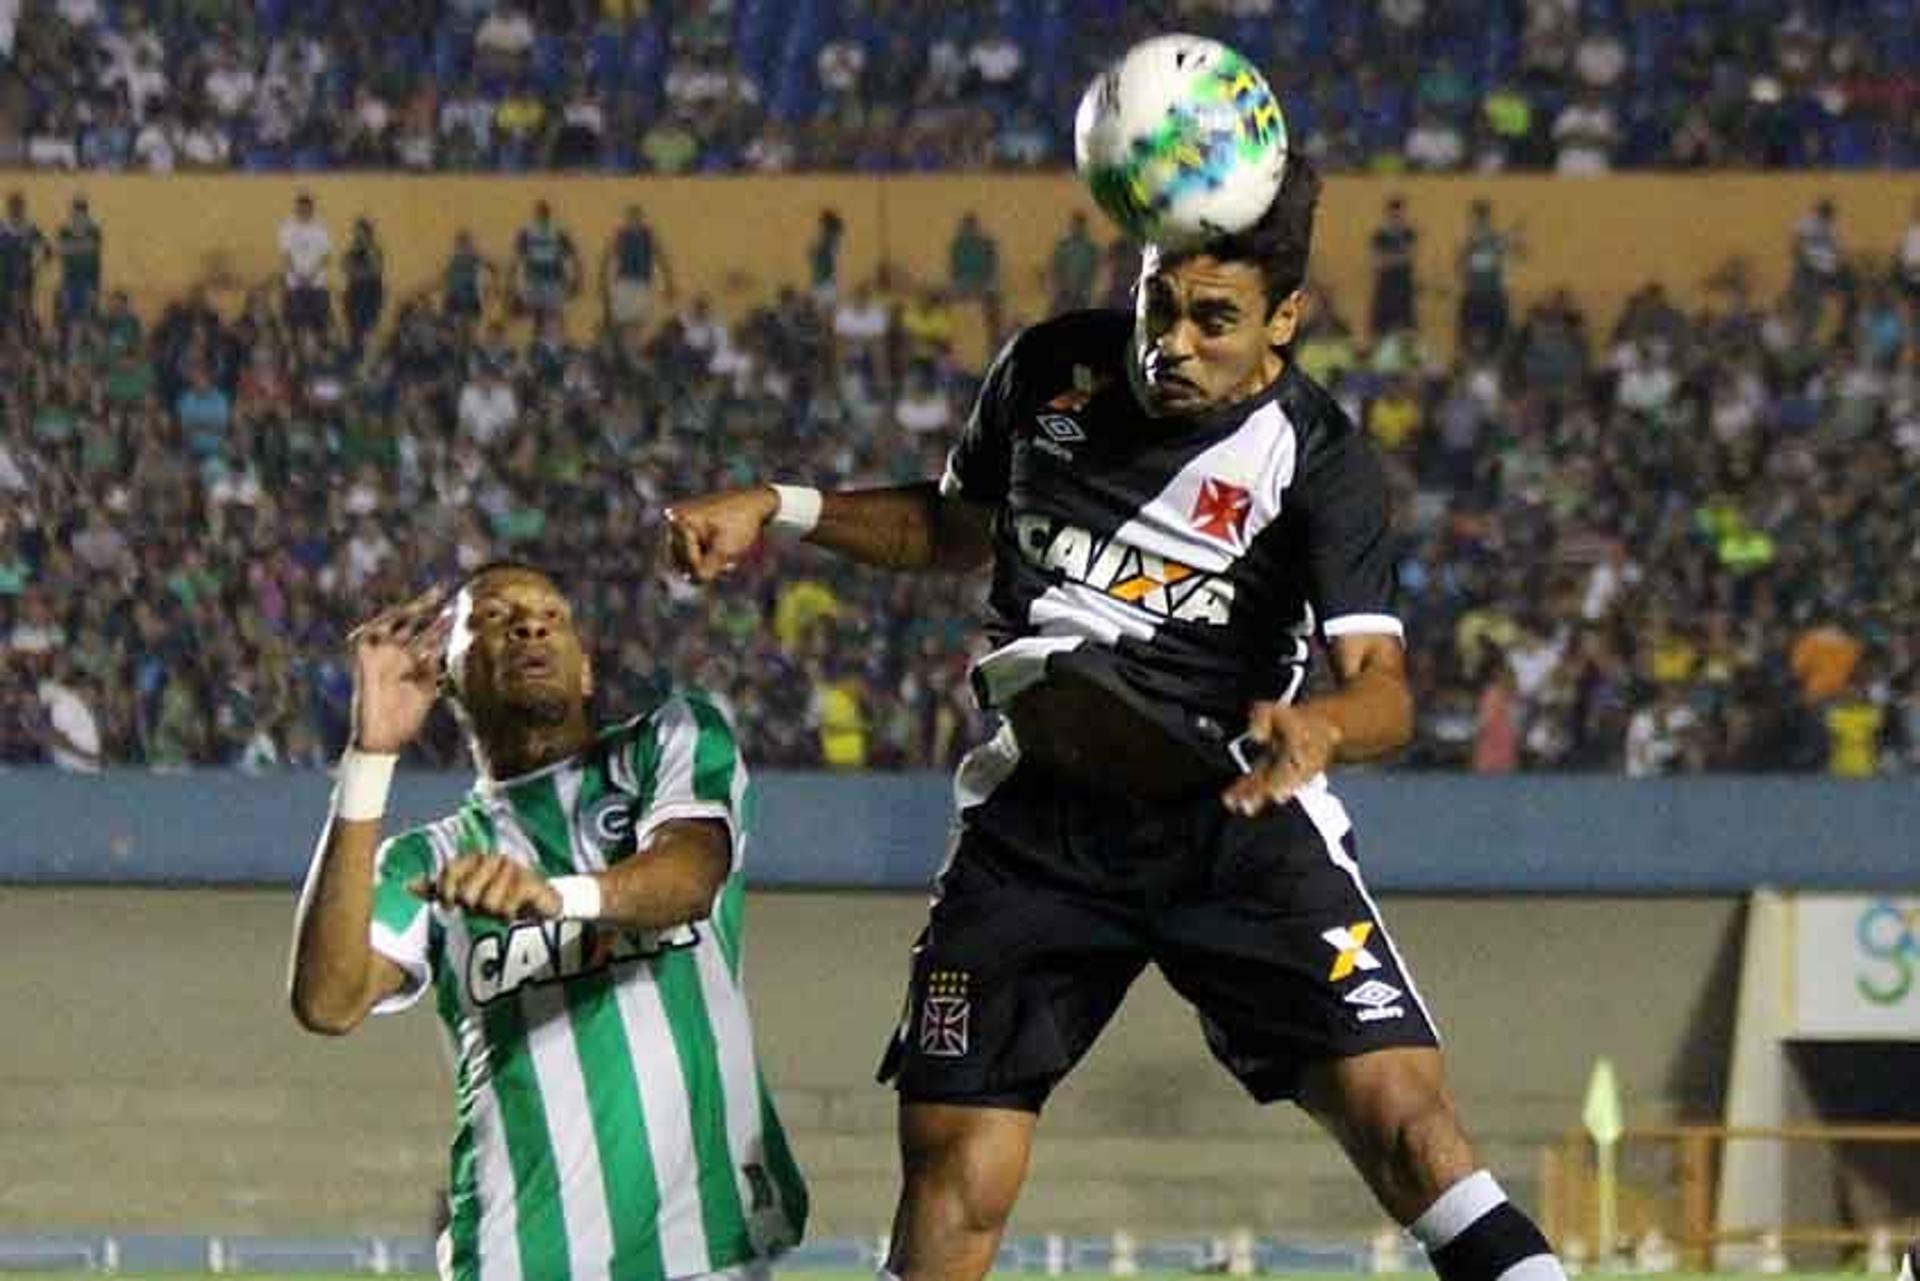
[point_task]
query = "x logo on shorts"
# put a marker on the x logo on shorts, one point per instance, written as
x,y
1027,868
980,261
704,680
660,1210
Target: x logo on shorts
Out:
x,y
1351,944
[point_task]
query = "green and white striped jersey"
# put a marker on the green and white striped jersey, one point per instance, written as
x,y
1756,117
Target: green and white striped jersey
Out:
x,y
612,1119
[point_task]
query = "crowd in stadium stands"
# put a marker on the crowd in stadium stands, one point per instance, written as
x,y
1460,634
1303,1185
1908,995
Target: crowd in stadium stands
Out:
x,y
1681,539
674,86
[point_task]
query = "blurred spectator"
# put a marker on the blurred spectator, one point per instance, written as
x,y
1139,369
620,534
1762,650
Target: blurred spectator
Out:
x,y
23,251
1856,726
1435,144
1908,257
1073,267
1393,247
973,269
823,258
546,266
466,280
838,711
633,269
72,732
1496,733
504,41
306,251
1585,134
80,245
364,264
1819,267
1483,279
1661,737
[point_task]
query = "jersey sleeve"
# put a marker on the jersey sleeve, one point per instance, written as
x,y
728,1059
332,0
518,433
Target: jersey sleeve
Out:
x,y
686,764
979,466
1350,557
401,926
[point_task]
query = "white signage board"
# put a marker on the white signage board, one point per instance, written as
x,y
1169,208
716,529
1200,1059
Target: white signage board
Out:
x,y
1856,967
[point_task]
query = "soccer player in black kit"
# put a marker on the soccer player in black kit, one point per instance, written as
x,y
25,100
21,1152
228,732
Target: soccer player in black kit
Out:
x,y
1173,513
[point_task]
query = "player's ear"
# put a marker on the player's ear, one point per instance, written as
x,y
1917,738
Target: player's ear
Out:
x,y
1285,321
586,676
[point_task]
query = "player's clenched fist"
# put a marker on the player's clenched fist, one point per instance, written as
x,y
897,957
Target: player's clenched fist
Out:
x,y
706,535
492,886
397,660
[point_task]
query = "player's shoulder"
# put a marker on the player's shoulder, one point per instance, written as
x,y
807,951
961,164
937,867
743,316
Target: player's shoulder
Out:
x,y
1051,352
1321,427
687,709
427,844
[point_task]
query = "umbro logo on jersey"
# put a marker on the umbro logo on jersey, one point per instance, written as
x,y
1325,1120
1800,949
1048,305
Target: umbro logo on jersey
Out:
x,y
554,951
1350,947
1376,1000
1057,431
1061,429
1163,588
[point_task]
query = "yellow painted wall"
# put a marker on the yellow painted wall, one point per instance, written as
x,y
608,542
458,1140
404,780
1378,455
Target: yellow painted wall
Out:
x,y
737,237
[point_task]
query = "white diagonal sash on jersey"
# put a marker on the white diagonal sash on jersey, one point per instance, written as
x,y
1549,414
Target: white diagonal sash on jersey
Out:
x,y
1259,457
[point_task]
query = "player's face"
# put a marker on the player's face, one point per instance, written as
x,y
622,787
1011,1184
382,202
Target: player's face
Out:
x,y
514,650
1203,337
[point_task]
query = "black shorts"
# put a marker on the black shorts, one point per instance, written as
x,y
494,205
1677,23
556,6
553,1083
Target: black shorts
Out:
x,y
1055,900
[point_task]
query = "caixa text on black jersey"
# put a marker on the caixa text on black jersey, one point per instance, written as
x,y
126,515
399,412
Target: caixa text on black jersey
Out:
x,y
1159,587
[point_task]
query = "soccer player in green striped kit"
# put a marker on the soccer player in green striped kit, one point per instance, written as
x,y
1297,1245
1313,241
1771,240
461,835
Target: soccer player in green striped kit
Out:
x,y
577,921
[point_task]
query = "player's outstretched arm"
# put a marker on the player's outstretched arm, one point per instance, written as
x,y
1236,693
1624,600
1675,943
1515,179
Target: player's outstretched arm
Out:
x,y
905,527
335,977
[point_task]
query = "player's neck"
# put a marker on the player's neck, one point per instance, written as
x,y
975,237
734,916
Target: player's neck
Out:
x,y
523,747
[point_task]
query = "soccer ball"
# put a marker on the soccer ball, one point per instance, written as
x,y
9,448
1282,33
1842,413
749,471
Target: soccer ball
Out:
x,y
1181,141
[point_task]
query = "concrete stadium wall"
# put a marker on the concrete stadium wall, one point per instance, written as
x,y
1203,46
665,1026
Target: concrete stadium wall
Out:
x,y
737,237
151,1078
1417,832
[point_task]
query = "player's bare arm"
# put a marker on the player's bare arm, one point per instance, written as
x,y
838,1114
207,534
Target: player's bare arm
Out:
x,y
1368,716
336,977
671,881
905,527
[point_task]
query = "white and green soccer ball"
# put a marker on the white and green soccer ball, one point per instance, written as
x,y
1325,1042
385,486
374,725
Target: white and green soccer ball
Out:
x,y
1181,141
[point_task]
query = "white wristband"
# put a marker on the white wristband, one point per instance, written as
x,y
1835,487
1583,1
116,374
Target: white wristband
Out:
x,y
363,780
799,509
579,897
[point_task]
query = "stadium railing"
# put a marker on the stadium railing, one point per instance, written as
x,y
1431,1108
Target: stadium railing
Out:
x,y
1668,1186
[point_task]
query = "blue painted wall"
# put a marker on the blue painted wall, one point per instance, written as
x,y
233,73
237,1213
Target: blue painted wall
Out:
x,y
1416,832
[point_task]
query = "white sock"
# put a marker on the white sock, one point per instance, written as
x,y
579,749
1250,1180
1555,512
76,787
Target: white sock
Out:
x,y
1476,1205
1457,1209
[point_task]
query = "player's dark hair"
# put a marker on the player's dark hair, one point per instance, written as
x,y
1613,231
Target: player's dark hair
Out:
x,y
1280,243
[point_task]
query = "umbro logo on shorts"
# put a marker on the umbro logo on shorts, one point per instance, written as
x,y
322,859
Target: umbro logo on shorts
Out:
x,y
1350,946
1376,1001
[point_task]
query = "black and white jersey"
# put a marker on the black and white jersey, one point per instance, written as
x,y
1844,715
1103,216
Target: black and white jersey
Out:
x,y
1192,559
